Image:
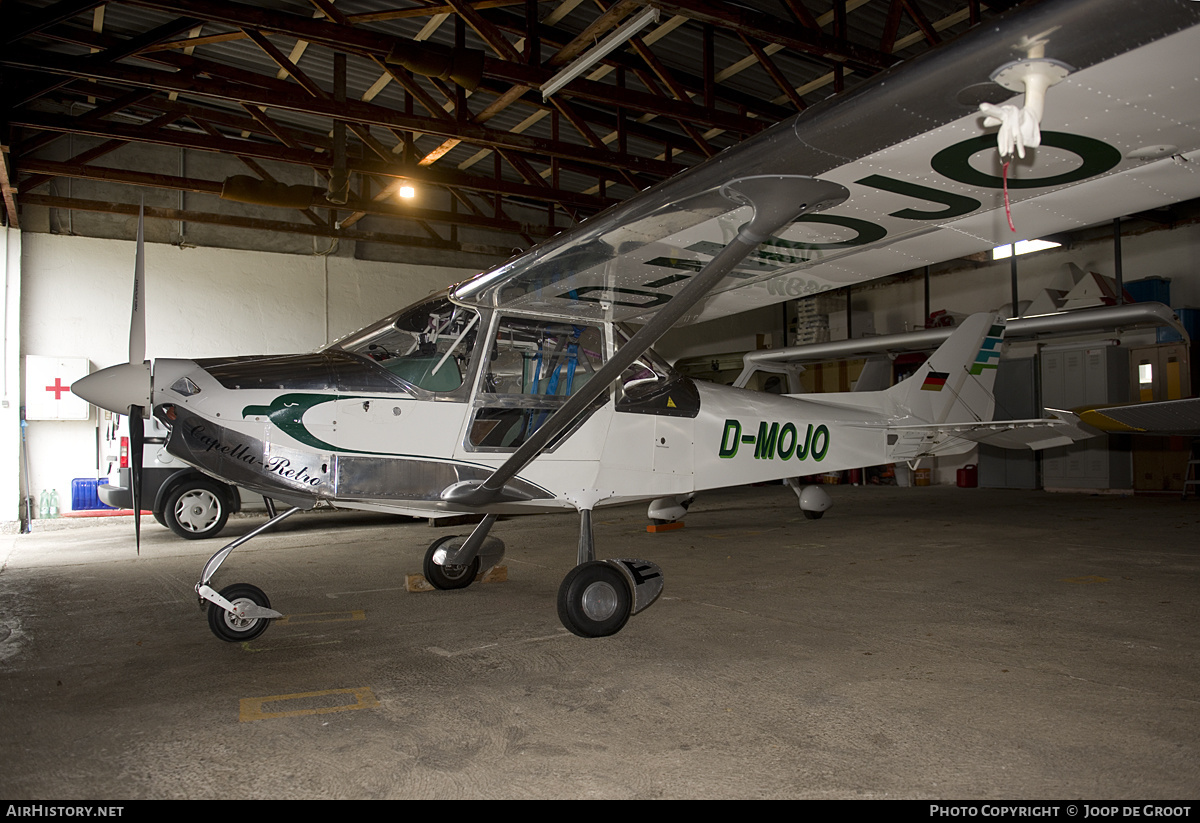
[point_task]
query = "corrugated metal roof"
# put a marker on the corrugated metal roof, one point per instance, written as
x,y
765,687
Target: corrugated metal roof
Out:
x,y
744,86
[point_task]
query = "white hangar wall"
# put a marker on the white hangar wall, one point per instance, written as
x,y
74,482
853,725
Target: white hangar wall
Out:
x,y
201,302
1173,254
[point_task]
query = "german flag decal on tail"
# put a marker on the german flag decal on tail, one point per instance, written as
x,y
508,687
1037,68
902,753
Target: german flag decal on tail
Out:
x,y
934,381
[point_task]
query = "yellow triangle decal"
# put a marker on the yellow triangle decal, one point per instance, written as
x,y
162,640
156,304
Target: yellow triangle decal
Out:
x,y
671,404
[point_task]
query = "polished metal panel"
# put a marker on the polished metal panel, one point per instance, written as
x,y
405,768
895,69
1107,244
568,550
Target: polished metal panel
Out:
x,y
411,478
302,478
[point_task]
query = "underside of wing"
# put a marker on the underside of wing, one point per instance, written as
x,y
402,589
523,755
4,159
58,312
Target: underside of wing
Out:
x,y
925,181
1164,417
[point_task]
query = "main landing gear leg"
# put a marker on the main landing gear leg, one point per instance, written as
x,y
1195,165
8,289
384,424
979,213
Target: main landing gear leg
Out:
x,y
239,612
453,562
597,597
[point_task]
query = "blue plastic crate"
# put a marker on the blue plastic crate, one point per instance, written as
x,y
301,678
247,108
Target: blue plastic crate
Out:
x,y
83,495
1150,290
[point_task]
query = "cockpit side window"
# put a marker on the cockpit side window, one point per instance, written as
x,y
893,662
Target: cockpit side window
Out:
x,y
532,367
650,386
428,346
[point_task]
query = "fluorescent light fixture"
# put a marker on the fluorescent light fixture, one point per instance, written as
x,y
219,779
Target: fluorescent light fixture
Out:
x,y
599,51
1023,247
407,192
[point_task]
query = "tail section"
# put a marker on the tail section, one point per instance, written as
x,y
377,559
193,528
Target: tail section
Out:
x,y
955,384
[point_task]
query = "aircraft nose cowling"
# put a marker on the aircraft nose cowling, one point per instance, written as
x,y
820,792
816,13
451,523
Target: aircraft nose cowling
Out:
x,y
117,387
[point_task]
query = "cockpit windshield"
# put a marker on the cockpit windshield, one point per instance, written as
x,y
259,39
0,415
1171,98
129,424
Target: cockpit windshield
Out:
x,y
428,346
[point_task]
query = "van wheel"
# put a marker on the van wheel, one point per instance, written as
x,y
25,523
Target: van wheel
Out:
x,y
196,509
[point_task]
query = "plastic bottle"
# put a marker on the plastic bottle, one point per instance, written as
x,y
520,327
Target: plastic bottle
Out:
x,y
44,505
53,503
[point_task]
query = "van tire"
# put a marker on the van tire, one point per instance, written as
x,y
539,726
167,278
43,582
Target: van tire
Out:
x,y
196,509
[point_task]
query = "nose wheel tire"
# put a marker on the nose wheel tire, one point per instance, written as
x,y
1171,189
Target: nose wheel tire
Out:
x,y
447,577
230,627
594,600
196,510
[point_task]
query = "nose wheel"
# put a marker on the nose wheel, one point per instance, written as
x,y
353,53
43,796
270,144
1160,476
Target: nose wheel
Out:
x,y
243,623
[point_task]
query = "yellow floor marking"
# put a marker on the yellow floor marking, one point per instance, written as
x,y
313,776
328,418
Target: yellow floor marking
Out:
x,y
321,617
252,708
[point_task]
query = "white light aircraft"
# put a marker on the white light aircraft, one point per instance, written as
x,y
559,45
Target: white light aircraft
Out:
x,y
524,389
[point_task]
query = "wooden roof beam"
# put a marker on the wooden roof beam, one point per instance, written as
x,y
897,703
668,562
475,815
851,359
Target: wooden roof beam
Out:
x,y
199,186
260,224
122,134
350,110
43,18
7,190
771,29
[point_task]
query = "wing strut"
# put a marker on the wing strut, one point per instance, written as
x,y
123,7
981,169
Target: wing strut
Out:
x,y
777,200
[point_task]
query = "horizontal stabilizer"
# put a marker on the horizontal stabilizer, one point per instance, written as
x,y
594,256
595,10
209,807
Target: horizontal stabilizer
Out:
x,y
926,439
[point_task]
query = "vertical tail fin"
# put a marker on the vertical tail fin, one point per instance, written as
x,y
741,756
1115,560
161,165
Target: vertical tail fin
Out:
x,y
955,384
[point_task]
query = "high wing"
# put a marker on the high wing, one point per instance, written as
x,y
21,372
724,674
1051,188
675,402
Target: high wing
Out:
x,y
1162,417
1120,134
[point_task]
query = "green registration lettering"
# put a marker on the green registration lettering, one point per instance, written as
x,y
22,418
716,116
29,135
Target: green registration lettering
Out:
x,y
776,440
730,439
764,447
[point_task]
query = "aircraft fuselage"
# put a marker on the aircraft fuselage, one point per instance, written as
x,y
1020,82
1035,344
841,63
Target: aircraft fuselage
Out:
x,y
337,427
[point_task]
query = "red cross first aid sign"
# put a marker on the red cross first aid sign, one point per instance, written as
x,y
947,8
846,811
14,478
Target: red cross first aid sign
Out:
x,y
48,388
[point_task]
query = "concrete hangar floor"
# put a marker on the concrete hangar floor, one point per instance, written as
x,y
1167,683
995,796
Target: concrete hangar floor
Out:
x,y
915,643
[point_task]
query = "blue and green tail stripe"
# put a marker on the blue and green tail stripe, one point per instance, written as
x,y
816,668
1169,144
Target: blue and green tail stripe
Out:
x,y
989,353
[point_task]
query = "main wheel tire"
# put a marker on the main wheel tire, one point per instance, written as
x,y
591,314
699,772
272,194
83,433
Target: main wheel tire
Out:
x,y
196,509
811,515
235,629
448,577
594,600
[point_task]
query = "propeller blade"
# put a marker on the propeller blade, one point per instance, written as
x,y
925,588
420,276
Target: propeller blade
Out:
x,y
137,317
136,441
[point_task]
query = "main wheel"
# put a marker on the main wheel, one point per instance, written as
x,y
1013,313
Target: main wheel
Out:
x,y
811,515
196,509
236,629
594,600
448,577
